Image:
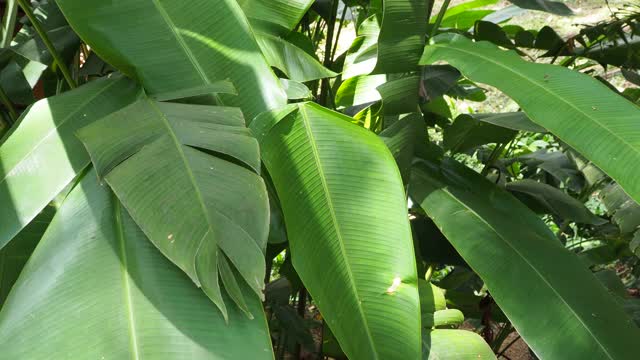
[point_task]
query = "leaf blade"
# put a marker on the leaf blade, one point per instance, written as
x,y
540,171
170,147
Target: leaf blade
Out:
x,y
586,115
471,212
183,173
45,135
200,44
143,306
313,156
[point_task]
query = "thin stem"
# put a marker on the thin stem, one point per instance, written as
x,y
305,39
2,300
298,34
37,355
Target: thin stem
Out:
x,y
316,32
301,307
57,59
501,353
320,351
13,114
436,25
495,154
502,336
331,25
267,275
342,17
9,20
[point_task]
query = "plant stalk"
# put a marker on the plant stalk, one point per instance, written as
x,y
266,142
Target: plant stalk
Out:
x,y
342,17
495,154
502,336
436,25
57,59
9,21
301,308
331,26
501,353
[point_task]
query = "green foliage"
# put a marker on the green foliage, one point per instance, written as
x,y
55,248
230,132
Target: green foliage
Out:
x,y
165,165
313,156
131,302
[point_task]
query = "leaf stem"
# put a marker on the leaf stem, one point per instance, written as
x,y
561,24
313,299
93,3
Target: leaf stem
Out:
x,y
9,23
57,58
436,25
342,17
331,25
502,336
495,154
501,353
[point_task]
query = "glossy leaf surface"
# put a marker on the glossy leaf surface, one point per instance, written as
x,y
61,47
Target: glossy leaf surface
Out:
x,y
187,174
95,288
359,269
562,301
179,45
14,256
42,154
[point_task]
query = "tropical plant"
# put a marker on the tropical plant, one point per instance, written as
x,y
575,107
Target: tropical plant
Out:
x,y
229,179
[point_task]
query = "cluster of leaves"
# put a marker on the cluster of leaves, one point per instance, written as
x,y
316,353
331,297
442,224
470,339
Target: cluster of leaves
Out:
x,y
192,179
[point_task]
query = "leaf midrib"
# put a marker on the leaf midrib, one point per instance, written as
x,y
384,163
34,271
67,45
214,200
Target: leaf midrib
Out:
x,y
124,267
172,27
545,89
178,146
334,220
59,125
194,183
535,270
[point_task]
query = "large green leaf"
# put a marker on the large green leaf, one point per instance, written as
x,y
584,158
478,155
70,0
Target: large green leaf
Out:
x,y
404,139
392,46
545,290
400,96
291,60
42,154
580,110
187,174
95,288
362,55
275,16
347,224
359,90
15,255
296,90
173,45
402,35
